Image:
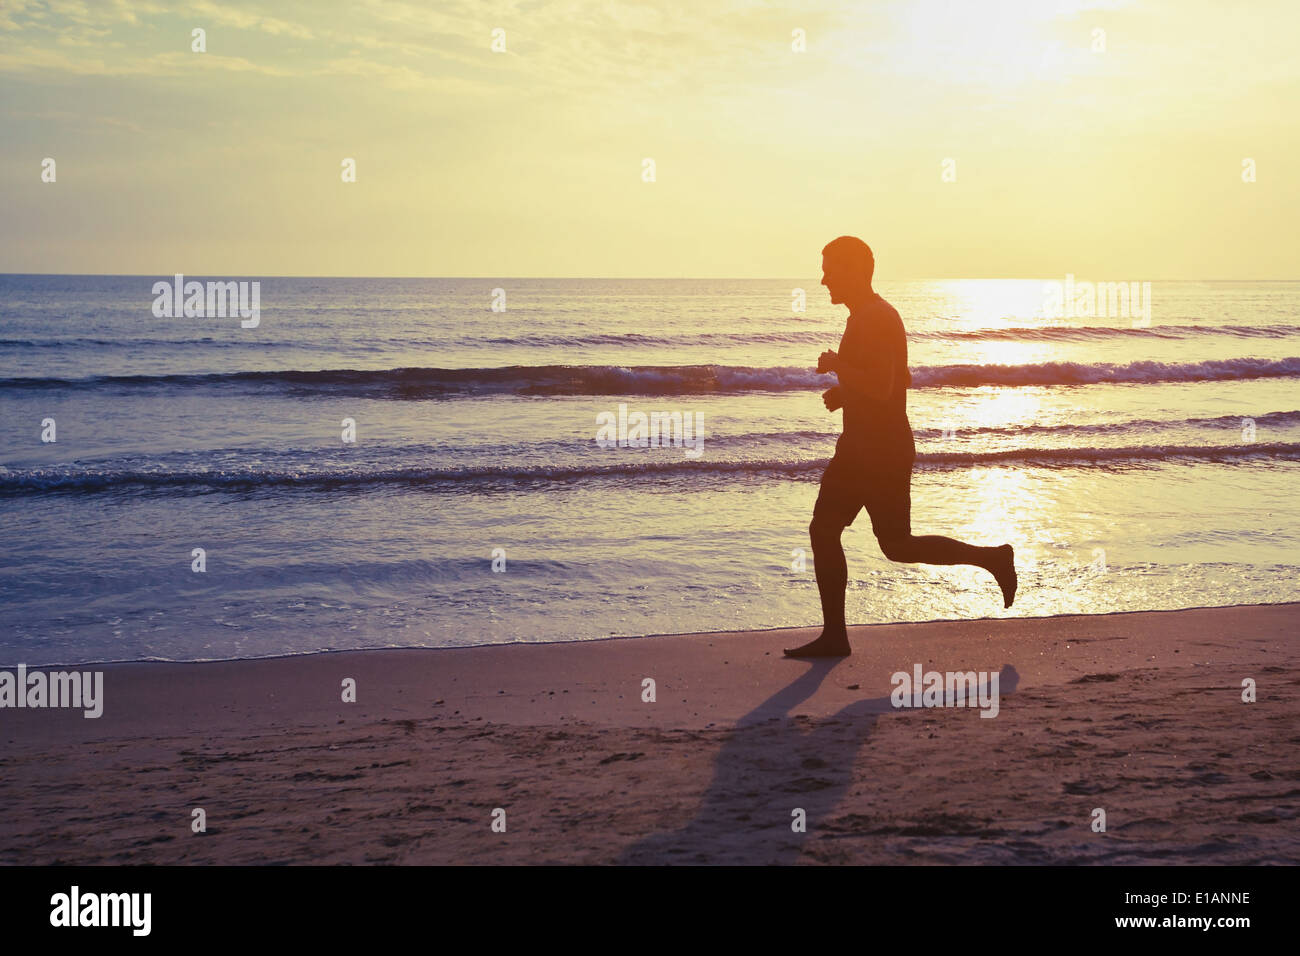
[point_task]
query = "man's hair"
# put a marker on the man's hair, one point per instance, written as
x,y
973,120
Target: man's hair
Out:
x,y
853,252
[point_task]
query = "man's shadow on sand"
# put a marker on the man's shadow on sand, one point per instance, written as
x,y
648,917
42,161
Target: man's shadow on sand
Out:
x,y
770,764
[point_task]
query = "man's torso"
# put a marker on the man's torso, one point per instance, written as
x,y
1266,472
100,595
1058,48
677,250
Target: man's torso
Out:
x,y
876,432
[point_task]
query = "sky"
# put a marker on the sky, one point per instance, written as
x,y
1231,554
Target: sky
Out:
x,y
1000,139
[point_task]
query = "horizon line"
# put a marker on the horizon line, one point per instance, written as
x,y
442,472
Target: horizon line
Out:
x,y
148,275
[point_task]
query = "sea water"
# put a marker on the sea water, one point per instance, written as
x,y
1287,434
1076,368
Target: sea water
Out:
x,y
1135,461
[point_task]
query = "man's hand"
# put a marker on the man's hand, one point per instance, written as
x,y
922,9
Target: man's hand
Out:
x,y
834,398
828,362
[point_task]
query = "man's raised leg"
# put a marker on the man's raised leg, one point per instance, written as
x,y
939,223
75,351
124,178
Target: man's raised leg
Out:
x,y
936,549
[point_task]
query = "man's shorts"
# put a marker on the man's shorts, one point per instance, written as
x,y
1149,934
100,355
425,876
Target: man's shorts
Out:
x,y
884,488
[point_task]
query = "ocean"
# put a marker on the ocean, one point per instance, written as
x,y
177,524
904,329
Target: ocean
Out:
x,y
1135,461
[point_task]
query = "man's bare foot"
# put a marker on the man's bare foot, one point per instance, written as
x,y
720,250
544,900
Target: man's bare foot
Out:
x,y
827,644
1005,572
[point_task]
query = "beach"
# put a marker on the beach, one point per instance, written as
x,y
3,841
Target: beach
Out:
x,y
1137,714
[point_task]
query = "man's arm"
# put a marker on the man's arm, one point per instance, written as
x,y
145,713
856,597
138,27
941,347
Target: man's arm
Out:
x,y
874,381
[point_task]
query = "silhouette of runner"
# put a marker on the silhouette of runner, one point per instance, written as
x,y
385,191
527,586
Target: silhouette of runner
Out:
x,y
872,465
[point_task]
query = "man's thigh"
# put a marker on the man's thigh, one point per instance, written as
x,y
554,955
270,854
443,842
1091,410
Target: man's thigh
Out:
x,y
842,495
889,500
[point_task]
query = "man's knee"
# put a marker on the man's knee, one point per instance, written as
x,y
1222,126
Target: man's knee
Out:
x,y
895,547
823,529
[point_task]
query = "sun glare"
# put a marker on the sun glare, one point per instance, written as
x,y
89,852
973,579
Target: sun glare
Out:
x,y
1003,43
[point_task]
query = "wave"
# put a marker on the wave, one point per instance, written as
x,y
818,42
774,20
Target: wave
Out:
x,y
675,380
75,479
133,344
1030,333
829,335
1080,373
229,462
1074,333
1119,426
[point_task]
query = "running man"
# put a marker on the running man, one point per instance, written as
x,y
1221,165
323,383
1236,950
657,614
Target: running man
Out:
x,y
872,466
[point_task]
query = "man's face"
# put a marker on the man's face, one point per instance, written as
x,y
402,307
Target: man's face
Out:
x,y
840,282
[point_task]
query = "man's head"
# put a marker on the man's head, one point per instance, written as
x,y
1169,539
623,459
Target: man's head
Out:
x,y
847,268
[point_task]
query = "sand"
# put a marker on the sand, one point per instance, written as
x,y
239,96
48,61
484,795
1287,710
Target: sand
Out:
x,y
1140,715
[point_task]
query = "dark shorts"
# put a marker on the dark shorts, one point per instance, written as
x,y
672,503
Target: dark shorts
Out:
x,y
884,488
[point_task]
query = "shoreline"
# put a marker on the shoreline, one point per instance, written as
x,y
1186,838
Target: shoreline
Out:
x,y
626,637
1137,713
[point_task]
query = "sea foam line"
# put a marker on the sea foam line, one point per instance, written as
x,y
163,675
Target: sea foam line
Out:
x,y
74,479
422,383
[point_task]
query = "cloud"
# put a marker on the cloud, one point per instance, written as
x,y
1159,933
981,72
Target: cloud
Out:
x,y
227,15
36,60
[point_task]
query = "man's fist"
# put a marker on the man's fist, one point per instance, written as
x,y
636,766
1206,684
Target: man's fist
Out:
x,y
833,398
827,362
